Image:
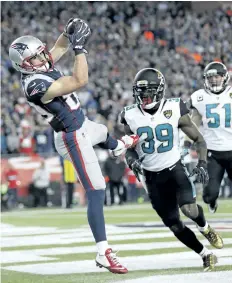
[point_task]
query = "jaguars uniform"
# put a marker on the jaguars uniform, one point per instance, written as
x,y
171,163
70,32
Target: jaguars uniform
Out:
x,y
159,145
74,134
216,112
159,133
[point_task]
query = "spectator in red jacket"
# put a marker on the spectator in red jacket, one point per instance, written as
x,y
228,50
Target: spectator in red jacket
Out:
x,y
26,140
11,177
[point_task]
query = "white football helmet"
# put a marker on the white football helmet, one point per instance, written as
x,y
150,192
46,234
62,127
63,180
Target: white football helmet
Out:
x,y
216,77
23,49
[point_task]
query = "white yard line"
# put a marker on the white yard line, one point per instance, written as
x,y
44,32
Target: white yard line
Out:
x,y
151,262
213,277
38,254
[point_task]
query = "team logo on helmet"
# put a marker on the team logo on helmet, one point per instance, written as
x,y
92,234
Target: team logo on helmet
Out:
x,y
168,114
20,47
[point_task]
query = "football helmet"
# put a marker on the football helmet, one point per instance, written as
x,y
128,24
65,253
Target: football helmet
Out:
x,y
25,48
148,87
216,77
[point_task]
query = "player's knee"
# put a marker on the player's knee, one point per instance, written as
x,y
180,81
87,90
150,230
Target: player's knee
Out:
x,y
210,196
190,210
174,224
177,227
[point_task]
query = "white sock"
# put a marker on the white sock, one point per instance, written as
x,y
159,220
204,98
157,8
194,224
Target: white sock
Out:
x,y
205,252
203,229
102,247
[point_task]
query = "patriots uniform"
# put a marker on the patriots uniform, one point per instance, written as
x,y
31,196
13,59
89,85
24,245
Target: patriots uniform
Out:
x,y
216,112
74,134
159,133
63,113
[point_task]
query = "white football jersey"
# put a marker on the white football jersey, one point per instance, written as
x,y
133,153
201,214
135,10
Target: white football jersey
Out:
x,y
216,112
159,134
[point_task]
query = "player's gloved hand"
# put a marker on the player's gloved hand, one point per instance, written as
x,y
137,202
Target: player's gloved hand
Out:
x,y
78,33
136,167
202,173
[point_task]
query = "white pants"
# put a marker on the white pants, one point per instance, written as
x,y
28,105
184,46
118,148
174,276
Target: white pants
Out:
x,y
77,147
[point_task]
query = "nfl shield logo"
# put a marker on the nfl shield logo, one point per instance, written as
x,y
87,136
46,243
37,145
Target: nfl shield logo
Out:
x,y
168,114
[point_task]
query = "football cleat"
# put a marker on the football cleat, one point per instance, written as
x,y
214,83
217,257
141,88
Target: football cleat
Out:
x,y
209,262
213,207
214,238
125,142
111,262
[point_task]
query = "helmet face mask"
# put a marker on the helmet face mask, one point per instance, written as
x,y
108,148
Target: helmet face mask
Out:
x,y
216,77
149,87
29,55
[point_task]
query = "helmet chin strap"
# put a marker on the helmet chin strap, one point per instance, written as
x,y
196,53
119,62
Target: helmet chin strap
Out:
x,y
44,68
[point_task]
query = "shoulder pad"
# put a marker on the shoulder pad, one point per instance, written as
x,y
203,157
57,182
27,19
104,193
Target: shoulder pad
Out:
x,y
36,86
197,96
174,99
130,107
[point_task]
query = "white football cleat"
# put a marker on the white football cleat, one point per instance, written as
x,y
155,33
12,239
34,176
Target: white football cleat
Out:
x,y
111,262
125,142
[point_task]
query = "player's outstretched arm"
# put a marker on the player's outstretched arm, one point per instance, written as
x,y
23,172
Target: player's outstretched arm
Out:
x,y
79,34
190,129
69,84
60,47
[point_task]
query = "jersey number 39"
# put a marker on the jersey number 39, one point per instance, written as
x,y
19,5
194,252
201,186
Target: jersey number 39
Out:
x,y
163,133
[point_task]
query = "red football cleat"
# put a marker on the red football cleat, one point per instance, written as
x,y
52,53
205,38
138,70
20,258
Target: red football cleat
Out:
x,y
111,262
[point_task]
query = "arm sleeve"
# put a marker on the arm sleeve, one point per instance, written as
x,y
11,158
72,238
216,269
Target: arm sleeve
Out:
x,y
36,89
183,108
122,118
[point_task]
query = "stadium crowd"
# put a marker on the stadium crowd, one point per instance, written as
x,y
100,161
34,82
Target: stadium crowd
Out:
x,y
127,36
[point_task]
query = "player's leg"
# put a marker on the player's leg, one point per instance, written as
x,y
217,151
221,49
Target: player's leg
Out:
x,y
163,198
211,191
100,136
187,202
228,165
76,147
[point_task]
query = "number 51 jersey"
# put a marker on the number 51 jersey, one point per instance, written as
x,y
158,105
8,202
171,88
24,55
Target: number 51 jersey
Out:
x,y
159,133
216,112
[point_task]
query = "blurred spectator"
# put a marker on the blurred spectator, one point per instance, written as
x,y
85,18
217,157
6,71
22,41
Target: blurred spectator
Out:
x,y
11,177
26,140
132,190
114,169
70,179
41,181
127,36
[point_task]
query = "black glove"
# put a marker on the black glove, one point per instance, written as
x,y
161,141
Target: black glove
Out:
x,y
136,167
78,33
202,173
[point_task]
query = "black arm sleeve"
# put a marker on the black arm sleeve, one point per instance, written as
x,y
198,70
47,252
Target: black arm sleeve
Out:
x,y
183,108
131,156
122,118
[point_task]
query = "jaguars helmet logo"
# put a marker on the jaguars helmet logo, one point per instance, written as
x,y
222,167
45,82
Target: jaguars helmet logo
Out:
x,y
168,114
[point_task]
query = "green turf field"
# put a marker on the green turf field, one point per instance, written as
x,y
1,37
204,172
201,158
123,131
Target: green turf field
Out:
x,y
55,245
